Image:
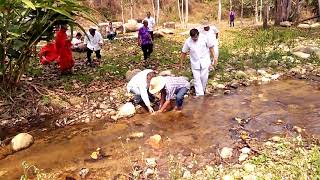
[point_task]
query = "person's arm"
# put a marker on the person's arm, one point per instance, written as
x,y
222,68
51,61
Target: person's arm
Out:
x,y
100,39
145,98
217,35
162,98
184,51
214,54
165,106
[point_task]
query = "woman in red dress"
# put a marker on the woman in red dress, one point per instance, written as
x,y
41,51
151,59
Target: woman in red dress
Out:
x,y
59,51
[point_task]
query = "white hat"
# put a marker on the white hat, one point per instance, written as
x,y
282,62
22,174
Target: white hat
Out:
x,y
205,23
93,27
156,84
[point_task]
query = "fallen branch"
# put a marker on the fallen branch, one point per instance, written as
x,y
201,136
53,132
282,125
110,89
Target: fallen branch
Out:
x,y
296,23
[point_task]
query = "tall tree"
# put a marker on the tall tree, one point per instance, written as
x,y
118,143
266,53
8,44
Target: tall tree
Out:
x,y
260,15
256,11
179,11
131,9
265,14
187,13
158,11
153,8
219,11
278,12
241,13
319,10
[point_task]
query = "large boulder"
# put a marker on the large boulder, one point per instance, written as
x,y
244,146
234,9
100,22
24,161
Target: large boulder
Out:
x,y
103,29
285,24
132,25
131,73
315,25
21,141
304,26
171,25
301,55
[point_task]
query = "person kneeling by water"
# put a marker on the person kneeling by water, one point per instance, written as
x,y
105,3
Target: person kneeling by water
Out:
x,y
169,87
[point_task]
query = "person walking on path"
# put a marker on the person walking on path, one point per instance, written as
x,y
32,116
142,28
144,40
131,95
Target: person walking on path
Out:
x,y
211,32
171,88
145,40
139,85
198,45
151,23
93,41
231,18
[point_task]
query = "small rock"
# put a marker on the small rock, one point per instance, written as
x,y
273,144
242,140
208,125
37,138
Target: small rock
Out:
x,y
98,116
3,173
265,80
21,141
103,106
249,167
151,162
279,122
262,72
268,143
301,55
250,177
87,120
275,76
84,172
285,24
228,177
227,91
76,86
297,129
154,141
245,150
149,172
243,157
186,175
30,79
209,170
234,85
241,75
226,152
273,63
136,135
221,86
288,58
275,138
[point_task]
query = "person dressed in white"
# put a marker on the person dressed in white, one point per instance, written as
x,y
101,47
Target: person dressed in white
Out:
x,y
139,85
198,46
93,41
77,44
151,23
212,33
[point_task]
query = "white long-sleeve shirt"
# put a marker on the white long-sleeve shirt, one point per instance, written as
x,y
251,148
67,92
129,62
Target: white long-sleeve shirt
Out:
x,y
151,23
140,81
93,41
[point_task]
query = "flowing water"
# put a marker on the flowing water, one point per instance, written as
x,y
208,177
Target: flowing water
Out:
x,y
205,125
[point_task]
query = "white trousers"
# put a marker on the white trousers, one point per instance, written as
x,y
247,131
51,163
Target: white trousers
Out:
x,y
200,80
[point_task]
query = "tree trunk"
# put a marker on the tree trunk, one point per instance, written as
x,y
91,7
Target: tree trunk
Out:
x,y
265,14
260,17
187,12
278,12
179,11
318,10
122,13
241,13
158,11
219,11
182,13
230,5
153,8
256,12
131,9
297,16
289,3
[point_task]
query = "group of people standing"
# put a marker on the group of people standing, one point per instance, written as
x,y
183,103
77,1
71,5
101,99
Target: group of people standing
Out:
x,y
202,45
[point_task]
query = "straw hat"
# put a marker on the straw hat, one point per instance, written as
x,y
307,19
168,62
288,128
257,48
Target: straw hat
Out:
x,y
93,27
156,84
205,23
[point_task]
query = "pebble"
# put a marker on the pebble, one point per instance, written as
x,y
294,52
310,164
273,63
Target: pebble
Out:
x,y
243,157
275,138
154,141
151,162
226,152
249,167
98,116
83,172
245,150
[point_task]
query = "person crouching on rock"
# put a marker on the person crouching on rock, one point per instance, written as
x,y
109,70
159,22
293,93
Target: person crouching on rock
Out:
x,y
138,86
169,88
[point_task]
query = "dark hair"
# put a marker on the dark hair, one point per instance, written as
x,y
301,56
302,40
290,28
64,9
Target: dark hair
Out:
x,y
78,34
194,32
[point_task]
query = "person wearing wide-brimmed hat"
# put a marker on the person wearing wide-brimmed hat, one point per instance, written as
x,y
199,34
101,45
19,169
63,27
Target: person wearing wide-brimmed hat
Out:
x,y
200,50
171,88
93,41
